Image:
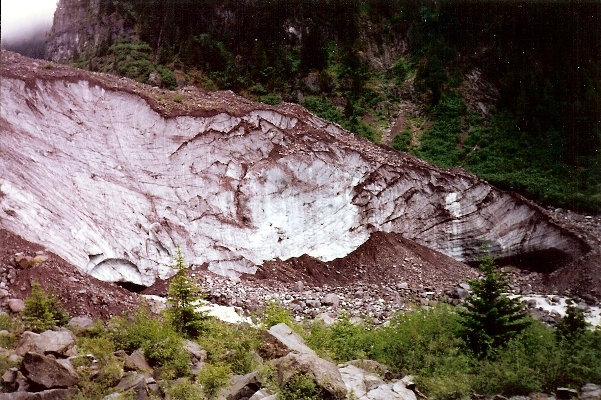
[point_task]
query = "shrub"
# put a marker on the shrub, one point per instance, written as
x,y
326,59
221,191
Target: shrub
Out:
x,y
323,108
234,345
96,380
213,377
43,311
402,140
183,389
274,313
162,346
300,387
272,99
167,77
183,297
342,341
529,362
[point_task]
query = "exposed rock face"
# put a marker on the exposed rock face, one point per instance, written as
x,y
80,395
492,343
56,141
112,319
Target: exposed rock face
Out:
x,y
114,175
81,26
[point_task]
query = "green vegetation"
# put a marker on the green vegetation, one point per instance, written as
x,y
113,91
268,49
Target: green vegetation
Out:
x,y
42,311
300,387
428,343
213,377
161,343
491,318
183,298
342,60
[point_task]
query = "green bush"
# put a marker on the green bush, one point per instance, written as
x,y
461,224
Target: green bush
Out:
x,y
162,346
530,362
183,389
274,313
322,107
272,99
212,377
234,345
43,311
300,387
167,77
343,340
402,140
97,379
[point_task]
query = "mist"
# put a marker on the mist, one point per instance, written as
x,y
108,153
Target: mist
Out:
x,y
24,25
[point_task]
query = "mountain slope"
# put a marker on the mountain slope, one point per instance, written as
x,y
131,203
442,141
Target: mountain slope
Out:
x,y
468,84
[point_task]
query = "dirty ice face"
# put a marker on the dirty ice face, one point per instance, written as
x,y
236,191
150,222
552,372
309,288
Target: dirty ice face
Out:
x,y
112,186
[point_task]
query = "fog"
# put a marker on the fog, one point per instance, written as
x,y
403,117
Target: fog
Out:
x,y
25,23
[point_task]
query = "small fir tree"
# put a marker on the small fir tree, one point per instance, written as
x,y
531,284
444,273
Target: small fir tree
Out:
x,y
491,318
43,311
572,325
183,297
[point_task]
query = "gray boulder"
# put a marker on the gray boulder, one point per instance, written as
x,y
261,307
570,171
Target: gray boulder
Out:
x,y
324,373
81,323
16,305
263,394
331,299
590,391
243,386
47,372
137,362
366,385
60,342
280,340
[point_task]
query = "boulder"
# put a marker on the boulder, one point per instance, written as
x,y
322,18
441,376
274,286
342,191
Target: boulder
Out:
x,y
331,299
263,394
47,372
16,305
372,366
61,342
590,391
243,386
81,323
324,373
366,385
136,383
279,340
195,350
564,393
137,362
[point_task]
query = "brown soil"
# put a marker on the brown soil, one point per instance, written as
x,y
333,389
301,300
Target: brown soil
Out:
x,y
80,294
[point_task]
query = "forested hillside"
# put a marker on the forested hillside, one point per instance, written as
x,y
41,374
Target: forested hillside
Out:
x,y
509,91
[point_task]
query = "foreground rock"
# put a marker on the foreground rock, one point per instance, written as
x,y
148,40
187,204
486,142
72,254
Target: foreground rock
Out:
x,y
47,372
90,165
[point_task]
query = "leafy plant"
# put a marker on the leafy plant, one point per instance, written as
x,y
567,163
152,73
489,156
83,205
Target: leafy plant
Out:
x,y
183,389
43,311
274,313
162,345
300,387
213,377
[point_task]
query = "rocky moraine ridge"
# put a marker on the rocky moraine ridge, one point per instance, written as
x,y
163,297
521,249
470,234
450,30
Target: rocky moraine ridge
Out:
x,y
112,176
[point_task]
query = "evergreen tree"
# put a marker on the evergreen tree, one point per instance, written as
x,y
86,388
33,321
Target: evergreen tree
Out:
x,y
572,325
491,318
183,297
